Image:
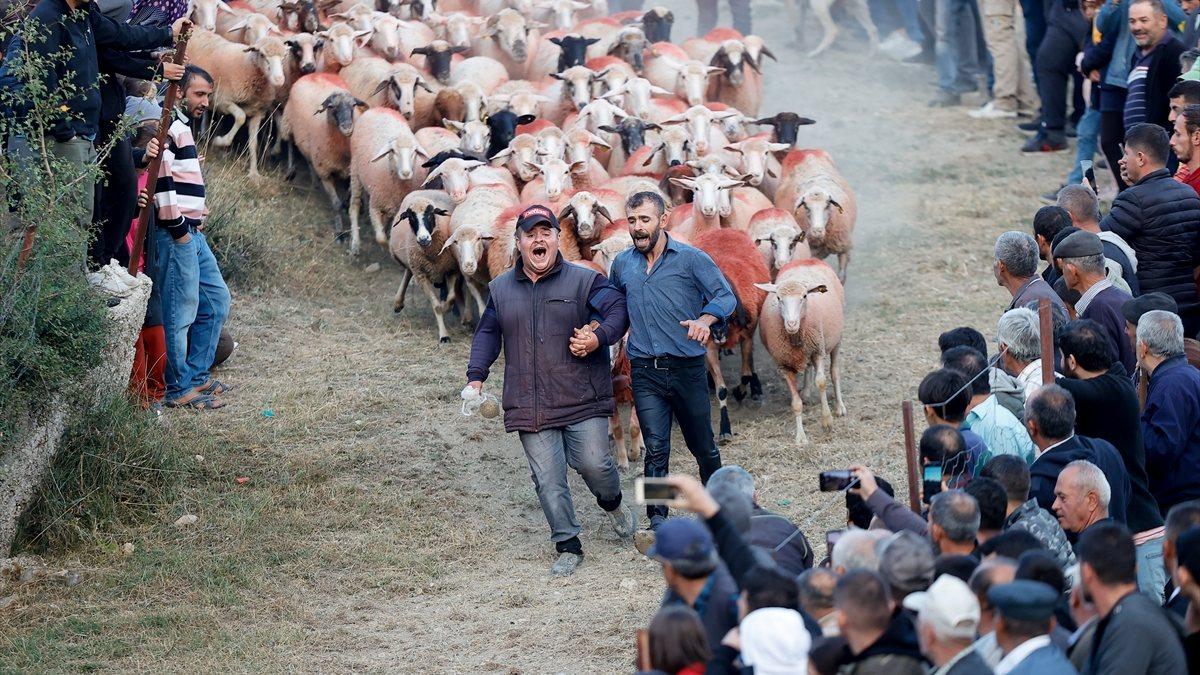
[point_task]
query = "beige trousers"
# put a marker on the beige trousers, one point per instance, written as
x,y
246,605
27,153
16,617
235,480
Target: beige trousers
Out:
x,y
1004,28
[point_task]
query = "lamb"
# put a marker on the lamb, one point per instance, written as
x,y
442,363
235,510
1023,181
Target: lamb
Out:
x,y
471,230
801,323
824,206
623,396
739,260
381,134
419,232
249,81
778,237
324,140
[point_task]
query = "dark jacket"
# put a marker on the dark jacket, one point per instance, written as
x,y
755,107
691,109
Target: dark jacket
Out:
x,y
1043,474
716,605
970,664
896,652
1137,636
782,539
1159,218
1105,310
1191,30
75,36
1106,407
1162,74
545,386
1045,528
1171,432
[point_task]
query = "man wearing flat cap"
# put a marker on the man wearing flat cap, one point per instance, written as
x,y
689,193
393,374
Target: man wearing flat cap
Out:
x,y
1081,257
1023,629
557,380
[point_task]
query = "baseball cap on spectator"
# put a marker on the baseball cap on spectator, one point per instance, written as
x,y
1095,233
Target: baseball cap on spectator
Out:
x,y
949,606
1024,600
1135,308
906,562
536,215
683,541
774,641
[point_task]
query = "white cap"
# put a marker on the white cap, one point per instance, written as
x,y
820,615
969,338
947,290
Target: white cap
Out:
x,y
949,606
775,641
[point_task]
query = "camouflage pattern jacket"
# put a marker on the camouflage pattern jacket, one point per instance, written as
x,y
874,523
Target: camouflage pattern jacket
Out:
x,y
1041,524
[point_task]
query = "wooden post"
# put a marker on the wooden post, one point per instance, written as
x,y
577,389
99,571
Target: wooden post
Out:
x,y
26,246
910,457
1047,334
643,650
164,124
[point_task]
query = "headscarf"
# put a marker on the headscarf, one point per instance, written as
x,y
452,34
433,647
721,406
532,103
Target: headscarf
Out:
x,y
775,642
173,9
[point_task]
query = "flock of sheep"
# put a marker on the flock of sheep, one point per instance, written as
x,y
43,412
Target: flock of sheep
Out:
x,y
445,120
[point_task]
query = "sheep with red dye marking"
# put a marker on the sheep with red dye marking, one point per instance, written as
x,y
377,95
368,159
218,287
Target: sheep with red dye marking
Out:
x,y
622,378
394,85
520,157
385,166
342,41
743,267
419,232
457,28
674,71
507,37
779,239
801,325
587,212
757,164
319,120
813,189
238,22
472,227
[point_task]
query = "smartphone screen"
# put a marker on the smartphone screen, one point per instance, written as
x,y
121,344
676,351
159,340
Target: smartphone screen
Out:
x,y
933,473
654,491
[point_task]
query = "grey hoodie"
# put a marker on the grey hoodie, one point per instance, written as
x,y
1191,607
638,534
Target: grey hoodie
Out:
x,y
1009,392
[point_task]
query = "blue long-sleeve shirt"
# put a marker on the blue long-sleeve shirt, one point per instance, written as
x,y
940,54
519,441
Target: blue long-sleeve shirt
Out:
x,y
1171,432
683,284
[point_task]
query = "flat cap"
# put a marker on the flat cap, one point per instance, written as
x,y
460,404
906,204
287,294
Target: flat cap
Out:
x,y
906,561
1135,308
1079,244
1024,600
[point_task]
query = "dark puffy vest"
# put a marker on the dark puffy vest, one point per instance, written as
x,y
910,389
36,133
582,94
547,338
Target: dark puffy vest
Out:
x,y
545,387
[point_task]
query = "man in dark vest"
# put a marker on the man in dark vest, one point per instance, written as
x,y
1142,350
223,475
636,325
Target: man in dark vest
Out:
x,y
557,382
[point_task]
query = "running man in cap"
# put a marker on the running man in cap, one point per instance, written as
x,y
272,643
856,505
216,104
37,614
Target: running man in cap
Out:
x,y
554,321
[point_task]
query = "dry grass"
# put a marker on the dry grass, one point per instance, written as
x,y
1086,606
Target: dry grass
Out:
x,y
381,531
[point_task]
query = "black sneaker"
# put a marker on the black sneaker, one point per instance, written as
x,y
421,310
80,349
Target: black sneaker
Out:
x,y
1044,143
1070,131
945,99
1032,125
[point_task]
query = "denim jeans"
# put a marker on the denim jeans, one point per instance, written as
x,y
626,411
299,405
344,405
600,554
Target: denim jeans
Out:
x,y
195,302
582,446
954,42
1151,575
1088,143
679,392
706,16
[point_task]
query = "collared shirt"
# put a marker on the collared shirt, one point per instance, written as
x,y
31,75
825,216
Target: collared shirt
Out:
x,y
989,650
1001,430
1031,377
954,661
1055,445
683,284
1086,298
1020,652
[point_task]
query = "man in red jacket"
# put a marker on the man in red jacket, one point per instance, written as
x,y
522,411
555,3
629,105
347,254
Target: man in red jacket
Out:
x,y
1185,141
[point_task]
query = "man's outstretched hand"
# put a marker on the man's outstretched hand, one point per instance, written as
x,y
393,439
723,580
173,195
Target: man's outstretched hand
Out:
x,y
692,496
698,330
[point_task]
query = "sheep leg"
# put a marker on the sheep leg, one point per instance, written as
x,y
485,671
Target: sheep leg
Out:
x,y
335,200
427,286
810,386
713,360
862,14
377,223
821,9
637,444
291,162
789,378
239,118
255,124
475,293
618,440
740,391
398,303
451,295
843,263
818,361
354,206
835,373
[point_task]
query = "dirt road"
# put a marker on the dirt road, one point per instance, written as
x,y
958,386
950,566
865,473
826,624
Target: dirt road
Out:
x,y
382,531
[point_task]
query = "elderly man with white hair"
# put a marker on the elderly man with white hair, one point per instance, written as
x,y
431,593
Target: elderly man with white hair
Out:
x,y
1171,416
1081,496
1019,335
856,550
947,619
1015,268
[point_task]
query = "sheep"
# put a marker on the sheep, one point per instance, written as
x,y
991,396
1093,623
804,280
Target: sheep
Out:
x,y
611,74
552,143
237,22
581,213
382,134
486,72
622,396
324,140
473,136
385,36
739,84
204,13
756,50
801,323
343,41
506,39
519,97
711,201
701,126
627,186
575,86
595,115
757,164
519,157
439,57
588,148
785,127
554,179
632,134
816,193
778,237
400,86
634,96
436,140
419,233
673,71
306,51
249,81
674,145
657,22
629,44
743,267
561,11
733,125
471,231
359,16
502,128
457,28
610,247
452,174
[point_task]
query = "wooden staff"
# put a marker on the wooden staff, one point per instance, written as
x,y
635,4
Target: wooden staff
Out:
x,y
26,246
910,456
643,650
164,125
1047,334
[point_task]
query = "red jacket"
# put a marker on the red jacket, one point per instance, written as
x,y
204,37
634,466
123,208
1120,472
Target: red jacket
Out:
x,y
1191,179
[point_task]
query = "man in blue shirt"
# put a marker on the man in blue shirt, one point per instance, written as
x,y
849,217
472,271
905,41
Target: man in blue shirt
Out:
x,y
945,395
674,294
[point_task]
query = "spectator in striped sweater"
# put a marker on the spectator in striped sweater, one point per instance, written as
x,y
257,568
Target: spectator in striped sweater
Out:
x,y
195,299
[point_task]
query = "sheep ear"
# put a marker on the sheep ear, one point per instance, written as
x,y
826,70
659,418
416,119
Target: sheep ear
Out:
x,y
771,173
653,127
602,211
421,84
421,151
441,212
578,167
655,89
555,41
799,237
458,49
610,129
778,147
650,157
252,50
712,70
568,212
838,206
734,147
687,183
241,25
503,154
818,289
769,288
382,85
452,124
424,51
526,119
599,142
530,166
382,153
768,53
804,121
449,241
557,76
597,247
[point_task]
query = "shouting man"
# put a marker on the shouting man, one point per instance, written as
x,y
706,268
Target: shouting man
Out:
x,y
557,386
675,294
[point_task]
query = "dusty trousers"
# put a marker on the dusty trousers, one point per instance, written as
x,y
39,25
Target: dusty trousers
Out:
x,y
1004,27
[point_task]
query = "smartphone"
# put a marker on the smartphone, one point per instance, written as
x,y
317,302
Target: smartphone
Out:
x,y
832,481
933,473
651,491
1089,173
831,538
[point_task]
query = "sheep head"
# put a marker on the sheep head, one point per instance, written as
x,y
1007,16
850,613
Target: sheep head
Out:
x,y
710,193
304,49
454,175
473,136
552,143
779,244
341,108
422,218
457,28
753,154
657,22
577,85
385,36
343,38
792,298
572,50
438,55
632,132
268,54
583,208
630,46
606,252
467,243
732,60
204,13
520,156
816,202
563,11
510,30
786,126
580,143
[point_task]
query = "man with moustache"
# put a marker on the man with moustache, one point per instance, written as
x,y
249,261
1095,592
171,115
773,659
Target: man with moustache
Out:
x,y
675,295
553,318
1185,142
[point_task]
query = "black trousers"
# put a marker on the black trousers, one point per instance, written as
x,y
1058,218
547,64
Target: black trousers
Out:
x,y
1112,134
1055,65
706,16
116,202
676,389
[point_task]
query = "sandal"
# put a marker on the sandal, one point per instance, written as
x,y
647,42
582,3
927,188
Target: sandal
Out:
x,y
214,387
198,402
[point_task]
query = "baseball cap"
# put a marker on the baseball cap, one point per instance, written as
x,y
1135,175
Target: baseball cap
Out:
x,y
682,540
1135,308
949,605
536,215
906,562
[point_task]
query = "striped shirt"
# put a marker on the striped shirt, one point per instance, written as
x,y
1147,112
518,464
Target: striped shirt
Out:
x,y
179,190
1135,101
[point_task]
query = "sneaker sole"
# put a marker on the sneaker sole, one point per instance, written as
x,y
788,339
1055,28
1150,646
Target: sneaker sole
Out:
x,y
1044,150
